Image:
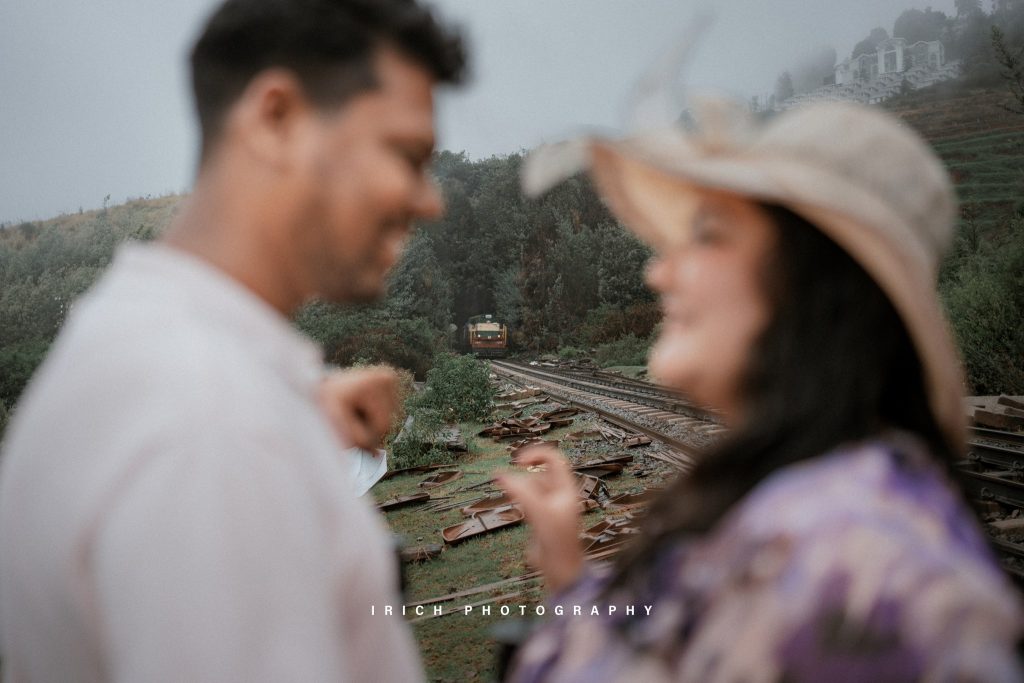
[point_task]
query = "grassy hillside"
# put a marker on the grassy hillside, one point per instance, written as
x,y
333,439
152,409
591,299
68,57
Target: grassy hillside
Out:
x,y
956,109
988,168
981,142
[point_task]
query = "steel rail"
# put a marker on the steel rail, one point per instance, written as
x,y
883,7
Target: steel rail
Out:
x,y
663,400
686,451
1014,438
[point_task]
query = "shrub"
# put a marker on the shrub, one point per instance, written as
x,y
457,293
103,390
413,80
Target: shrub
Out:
x,y
17,363
5,416
371,336
608,323
416,443
458,388
571,353
628,350
985,300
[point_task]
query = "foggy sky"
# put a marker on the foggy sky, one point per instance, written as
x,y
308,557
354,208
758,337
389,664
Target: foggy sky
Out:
x,y
94,96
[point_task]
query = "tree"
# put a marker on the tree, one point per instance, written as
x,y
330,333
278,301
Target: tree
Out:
x,y
915,25
419,287
870,44
784,87
966,8
508,299
1011,63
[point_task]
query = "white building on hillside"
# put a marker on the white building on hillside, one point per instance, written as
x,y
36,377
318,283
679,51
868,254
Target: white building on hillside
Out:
x,y
891,56
876,76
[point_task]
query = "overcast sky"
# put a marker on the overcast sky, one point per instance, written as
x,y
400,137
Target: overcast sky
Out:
x,y
94,96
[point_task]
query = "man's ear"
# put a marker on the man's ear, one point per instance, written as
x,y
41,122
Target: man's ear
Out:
x,y
271,118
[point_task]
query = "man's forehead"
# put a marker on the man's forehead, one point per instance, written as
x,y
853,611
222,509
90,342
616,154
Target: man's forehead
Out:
x,y
403,96
400,77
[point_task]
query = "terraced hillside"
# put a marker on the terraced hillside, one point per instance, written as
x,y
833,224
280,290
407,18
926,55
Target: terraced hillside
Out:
x,y
952,110
988,169
981,142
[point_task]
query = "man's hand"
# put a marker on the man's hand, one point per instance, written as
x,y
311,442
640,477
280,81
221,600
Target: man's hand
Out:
x,y
360,404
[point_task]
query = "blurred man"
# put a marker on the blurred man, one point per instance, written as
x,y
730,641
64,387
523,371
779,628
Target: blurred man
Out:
x,y
174,503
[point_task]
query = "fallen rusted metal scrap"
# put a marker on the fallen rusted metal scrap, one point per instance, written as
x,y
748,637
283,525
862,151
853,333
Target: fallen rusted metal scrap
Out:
x,y
517,395
611,531
601,469
501,499
520,406
509,428
483,522
592,487
419,469
632,501
559,417
584,435
440,479
627,439
490,502
604,467
1004,413
403,501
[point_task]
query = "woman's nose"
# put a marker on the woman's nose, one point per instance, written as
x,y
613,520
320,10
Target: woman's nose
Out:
x,y
656,274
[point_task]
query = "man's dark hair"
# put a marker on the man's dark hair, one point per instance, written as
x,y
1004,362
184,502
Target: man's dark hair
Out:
x,y
328,45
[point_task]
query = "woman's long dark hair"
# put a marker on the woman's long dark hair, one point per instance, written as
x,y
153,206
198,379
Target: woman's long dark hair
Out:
x,y
835,365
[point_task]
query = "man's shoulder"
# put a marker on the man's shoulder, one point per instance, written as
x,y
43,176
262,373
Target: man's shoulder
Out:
x,y
139,347
127,359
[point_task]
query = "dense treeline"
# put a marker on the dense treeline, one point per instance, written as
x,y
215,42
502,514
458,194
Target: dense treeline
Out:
x,y
44,267
560,271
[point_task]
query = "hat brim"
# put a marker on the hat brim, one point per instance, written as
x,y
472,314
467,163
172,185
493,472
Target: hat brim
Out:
x,y
654,197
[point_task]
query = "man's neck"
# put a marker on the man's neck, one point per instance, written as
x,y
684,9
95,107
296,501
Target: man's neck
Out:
x,y
208,229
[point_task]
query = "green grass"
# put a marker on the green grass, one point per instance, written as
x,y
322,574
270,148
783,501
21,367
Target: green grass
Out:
x,y
458,647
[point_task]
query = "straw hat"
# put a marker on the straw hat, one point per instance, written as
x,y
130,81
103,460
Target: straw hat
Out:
x,y
858,174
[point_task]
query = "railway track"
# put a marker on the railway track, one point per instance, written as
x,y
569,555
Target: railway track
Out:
x,y
994,474
651,414
611,386
993,470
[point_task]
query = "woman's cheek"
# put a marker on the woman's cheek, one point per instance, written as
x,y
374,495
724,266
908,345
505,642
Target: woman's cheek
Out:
x,y
670,360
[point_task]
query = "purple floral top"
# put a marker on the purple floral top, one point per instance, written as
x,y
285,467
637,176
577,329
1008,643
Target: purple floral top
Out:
x,y
861,565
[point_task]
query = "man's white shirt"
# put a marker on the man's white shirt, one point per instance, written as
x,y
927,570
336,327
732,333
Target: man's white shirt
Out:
x,y
174,506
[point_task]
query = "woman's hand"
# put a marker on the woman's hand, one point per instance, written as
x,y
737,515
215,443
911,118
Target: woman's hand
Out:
x,y
360,404
550,501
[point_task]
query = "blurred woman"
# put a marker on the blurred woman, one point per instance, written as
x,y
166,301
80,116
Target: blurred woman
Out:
x,y
824,538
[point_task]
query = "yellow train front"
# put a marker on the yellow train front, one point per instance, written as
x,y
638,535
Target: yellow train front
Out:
x,y
486,336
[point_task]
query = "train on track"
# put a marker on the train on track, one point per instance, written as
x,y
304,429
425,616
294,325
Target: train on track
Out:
x,y
486,336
